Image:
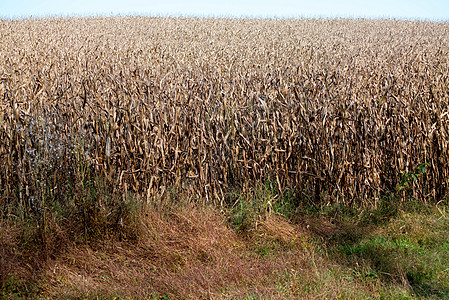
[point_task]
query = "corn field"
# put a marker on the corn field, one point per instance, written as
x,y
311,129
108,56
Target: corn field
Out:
x,y
341,111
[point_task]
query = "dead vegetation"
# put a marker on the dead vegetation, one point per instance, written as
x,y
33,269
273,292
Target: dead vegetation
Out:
x,y
95,111
185,254
341,110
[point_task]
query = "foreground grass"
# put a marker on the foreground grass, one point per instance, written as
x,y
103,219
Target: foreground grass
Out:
x,y
186,251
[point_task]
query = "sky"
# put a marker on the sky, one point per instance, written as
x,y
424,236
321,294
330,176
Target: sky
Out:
x,y
436,10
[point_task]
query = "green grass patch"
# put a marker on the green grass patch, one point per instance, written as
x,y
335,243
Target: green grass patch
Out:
x,y
409,251
13,287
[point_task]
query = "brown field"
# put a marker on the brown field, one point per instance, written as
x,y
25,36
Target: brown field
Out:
x,y
93,110
335,108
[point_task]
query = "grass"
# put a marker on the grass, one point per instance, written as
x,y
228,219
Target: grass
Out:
x,y
404,253
248,251
412,249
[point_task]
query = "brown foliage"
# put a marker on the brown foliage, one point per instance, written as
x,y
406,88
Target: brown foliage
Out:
x,y
188,253
336,109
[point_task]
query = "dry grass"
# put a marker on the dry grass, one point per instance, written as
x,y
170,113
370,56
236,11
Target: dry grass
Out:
x,y
187,254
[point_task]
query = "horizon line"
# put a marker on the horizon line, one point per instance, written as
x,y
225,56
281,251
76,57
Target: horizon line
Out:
x,y
221,16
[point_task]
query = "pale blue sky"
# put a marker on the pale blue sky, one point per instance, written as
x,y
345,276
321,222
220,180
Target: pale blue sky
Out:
x,y
402,9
